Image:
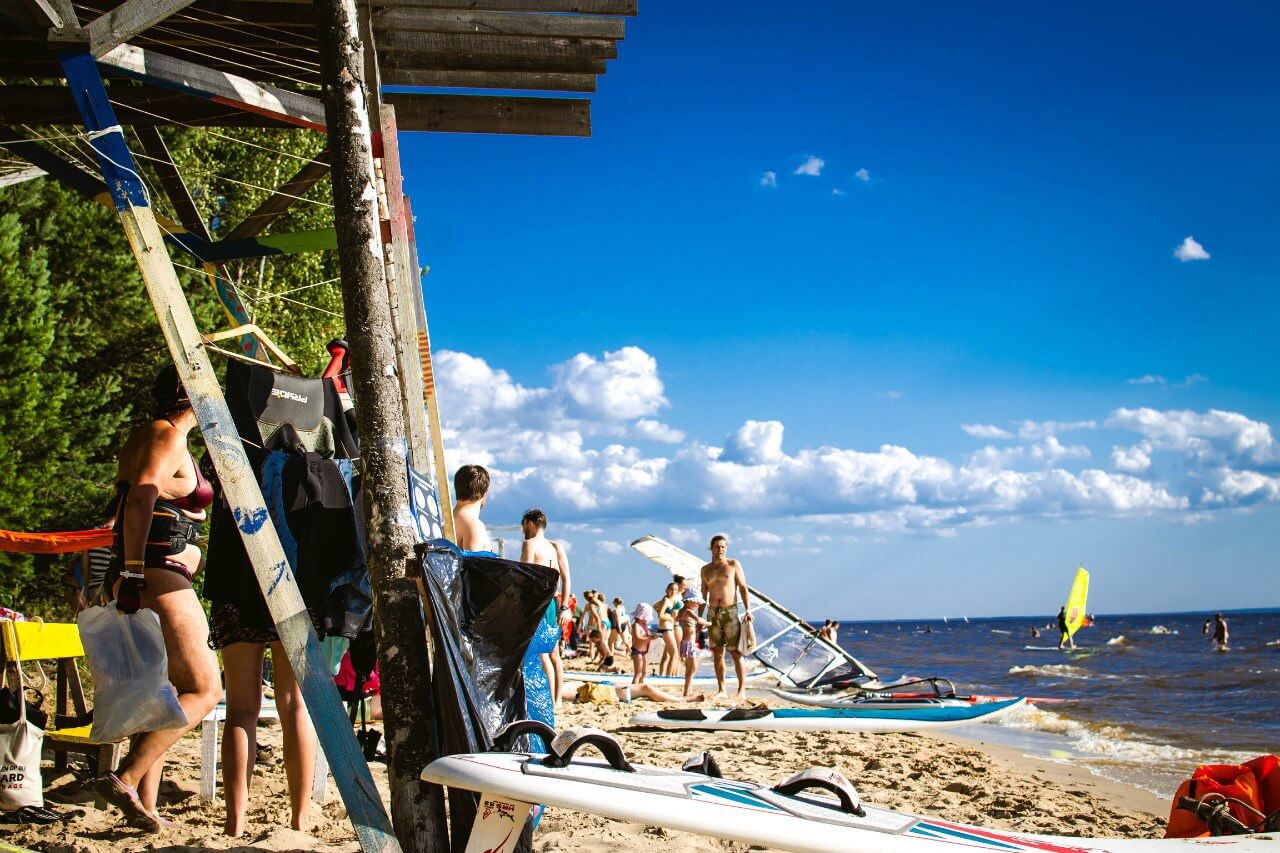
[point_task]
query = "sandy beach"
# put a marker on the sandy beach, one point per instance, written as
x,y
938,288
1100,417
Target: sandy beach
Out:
x,y
958,779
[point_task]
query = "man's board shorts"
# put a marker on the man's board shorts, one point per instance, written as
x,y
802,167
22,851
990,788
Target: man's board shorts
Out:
x,y
725,628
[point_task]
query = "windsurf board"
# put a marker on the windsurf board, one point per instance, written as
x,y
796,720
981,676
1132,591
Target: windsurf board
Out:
x,y
823,719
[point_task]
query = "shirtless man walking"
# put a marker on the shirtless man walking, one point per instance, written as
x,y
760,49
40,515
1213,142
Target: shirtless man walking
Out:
x,y
722,582
541,551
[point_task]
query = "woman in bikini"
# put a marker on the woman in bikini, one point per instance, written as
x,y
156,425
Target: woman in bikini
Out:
x,y
160,503
667,608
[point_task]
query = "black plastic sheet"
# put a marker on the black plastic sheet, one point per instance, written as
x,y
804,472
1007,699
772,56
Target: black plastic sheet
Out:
x,y
484,612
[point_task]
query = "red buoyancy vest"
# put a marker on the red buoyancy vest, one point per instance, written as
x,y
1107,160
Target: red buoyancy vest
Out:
x,y
1255,782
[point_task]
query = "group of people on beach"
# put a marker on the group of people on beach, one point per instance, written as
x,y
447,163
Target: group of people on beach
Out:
x,y
609,629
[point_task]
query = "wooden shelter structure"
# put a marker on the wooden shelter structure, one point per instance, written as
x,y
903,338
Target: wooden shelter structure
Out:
x,y
329,67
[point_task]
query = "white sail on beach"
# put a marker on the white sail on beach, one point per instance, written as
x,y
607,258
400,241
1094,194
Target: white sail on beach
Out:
x,y
785,643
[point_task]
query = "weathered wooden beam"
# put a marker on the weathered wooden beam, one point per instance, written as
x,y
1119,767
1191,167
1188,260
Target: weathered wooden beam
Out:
x,y
171,179
140,106
110,30
43,10
411,19
282,199
492,114
545,82
8,179
581,7
410,58
220,86
69,174
498,48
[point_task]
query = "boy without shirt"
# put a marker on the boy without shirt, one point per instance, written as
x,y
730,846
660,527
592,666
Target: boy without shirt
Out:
x,y
540,550
723,581
470,489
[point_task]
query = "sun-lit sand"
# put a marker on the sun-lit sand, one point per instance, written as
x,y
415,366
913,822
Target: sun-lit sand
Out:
x,y
938,776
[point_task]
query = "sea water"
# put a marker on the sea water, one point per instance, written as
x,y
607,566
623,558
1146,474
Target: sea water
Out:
x,y
1150,697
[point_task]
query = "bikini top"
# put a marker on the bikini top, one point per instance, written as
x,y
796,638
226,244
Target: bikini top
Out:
x,y
199,498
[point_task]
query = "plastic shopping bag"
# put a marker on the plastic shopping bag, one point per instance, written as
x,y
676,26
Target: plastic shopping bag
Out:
x,y
746,636
130,669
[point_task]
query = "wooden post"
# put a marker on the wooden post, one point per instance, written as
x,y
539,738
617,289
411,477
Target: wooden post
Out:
x,y
279,588
380,414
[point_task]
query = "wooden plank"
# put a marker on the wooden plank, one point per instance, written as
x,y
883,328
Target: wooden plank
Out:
x,y
581,7
139,106
174,186
492,114
472,45
110,30
8,179
410,58
497,23
546,82
279,587
282,199
223,87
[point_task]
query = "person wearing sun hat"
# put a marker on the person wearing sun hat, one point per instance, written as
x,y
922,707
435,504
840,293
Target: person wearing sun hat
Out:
x,y
690,619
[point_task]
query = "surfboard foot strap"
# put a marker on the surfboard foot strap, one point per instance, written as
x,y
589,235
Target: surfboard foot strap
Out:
x,y
704,763
828,780
565,744
505,740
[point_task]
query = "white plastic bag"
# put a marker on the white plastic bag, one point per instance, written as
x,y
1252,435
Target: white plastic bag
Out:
x,y
131,689
746,636
20,783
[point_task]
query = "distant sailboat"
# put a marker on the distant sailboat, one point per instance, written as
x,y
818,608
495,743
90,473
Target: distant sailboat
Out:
x,y
966,620
1076,601
944,620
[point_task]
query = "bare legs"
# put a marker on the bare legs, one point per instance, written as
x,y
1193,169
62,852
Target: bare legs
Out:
x,y
690,664
243,662
193,671
739,671
717,661
554,668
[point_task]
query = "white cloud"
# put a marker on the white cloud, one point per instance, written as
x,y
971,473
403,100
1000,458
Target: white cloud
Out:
x,y
985,431
1131,460
1190,250
622,385
608,546
565,447
652,430
837,191
862,175
684,535
769,179
754,442
1194,379
1148,379
812,166
893,394
1033,430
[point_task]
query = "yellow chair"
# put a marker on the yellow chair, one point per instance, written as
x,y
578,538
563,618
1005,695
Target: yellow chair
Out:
x,y
60,641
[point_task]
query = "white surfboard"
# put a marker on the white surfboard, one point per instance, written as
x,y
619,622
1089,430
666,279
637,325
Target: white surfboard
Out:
x,y
871,720
872,700
746,812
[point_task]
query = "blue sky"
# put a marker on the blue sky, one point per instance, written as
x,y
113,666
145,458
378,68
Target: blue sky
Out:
x,y
626,324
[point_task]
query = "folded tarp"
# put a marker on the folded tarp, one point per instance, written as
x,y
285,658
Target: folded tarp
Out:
x,y
59,542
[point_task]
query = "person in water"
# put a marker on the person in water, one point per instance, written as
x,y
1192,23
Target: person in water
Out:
x,y
723,582
540,550
1035,632
470,490
1220,633
1064,638
160,503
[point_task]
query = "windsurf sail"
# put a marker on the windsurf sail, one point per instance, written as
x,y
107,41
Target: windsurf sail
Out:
x,y
1076,599
785,643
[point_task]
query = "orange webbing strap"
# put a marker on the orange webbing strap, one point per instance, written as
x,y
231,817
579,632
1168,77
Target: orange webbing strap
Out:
x,y
60,542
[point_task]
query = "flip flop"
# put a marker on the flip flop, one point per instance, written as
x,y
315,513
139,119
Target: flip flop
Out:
x,y
126,799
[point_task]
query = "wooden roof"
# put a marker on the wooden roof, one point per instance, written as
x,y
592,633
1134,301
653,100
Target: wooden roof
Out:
x,y
547,46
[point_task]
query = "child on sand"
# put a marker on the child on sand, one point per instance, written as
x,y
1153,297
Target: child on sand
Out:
x,y
640,640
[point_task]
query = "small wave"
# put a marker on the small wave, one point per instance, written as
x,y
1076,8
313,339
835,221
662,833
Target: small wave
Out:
x,y
1052,670
1117,641
1162,629
1111,741
999,631
1273,644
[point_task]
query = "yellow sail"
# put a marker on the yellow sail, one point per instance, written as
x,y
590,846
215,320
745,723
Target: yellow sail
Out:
x,y
1076,600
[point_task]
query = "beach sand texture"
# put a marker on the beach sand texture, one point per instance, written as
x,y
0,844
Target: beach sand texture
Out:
x,y
930,775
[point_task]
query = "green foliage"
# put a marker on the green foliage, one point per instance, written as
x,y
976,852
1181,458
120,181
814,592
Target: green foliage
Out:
x,y
81,343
